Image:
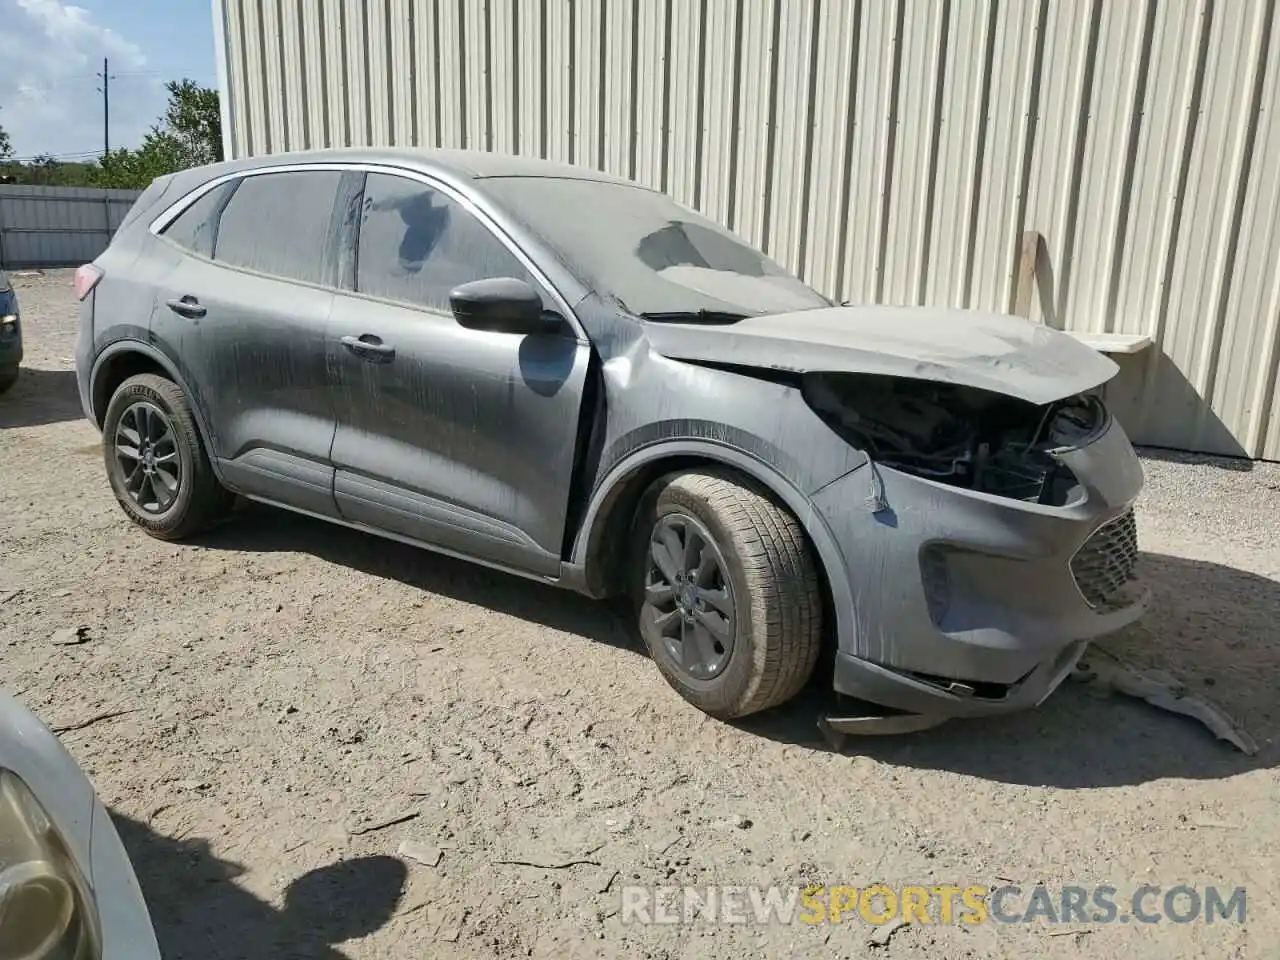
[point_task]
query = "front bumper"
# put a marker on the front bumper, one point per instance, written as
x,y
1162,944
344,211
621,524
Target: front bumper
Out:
x,y
968,604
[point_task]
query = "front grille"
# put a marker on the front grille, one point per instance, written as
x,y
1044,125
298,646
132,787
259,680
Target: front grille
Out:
x,y
1105,563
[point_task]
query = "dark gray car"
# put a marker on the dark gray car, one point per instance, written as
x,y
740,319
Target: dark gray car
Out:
x,y
574,378
10,334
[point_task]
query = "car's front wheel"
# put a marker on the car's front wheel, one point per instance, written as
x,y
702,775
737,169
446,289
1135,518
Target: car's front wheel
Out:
x,y
158,467
8,377
730,602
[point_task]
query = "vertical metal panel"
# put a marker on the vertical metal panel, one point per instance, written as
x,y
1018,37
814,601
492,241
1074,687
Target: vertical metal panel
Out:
x,y
311,71
376,58
588,28
622,75
1014,75
871,151
398,31
756,82
533,70
504,99
787,185
474,67
1249,399
270,42
453,53
58,226
888,150
966,43
560,76
653,77
837,86
425,62
921,39
720,97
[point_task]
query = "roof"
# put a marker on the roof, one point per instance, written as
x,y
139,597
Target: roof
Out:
x,y
469,164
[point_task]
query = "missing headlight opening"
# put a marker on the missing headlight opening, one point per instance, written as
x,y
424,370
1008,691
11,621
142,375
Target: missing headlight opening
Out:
x,y
959,435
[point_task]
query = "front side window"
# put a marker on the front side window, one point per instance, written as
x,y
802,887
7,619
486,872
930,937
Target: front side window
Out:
x,y
282,224
417,244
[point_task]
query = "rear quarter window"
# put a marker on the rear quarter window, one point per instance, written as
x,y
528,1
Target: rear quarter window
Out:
x,y
283,224
196,228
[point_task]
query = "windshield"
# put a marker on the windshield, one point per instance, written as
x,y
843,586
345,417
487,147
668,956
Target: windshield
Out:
x,y
653,255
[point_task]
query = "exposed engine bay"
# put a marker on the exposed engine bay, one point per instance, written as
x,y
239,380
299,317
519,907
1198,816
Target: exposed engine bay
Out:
x,y
959,435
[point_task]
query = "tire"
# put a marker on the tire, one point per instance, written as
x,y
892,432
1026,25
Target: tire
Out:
x,y
196,501
767,581
8,377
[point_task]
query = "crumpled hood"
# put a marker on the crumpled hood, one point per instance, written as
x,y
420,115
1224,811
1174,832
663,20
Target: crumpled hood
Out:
x,y
989,351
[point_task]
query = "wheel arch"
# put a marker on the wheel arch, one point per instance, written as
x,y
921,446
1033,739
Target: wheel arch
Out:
x,y
613,504
127,358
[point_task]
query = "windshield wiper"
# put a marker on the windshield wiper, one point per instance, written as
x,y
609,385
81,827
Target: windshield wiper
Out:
x,y
695,316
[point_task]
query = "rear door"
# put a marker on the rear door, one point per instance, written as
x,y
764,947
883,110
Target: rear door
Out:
x,y
461,438
244,309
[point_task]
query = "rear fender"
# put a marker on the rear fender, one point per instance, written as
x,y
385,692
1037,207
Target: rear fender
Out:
x,y
121,347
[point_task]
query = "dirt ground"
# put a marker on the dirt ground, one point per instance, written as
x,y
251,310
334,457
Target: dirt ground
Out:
x,y
292,686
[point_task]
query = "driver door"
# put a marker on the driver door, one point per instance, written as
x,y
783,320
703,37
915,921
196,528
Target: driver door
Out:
x,y
463,439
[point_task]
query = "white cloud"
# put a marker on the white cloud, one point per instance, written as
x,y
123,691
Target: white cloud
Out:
x,y
50,52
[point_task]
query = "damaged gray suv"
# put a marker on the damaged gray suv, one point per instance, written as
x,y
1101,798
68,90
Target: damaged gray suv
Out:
x,y
573,378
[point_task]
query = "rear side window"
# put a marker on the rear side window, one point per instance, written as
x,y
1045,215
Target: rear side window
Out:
x,y
417,244
282,224
197,226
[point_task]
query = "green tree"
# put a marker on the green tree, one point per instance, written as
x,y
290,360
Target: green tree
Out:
x,y
6,145
160,154
194,119
188,135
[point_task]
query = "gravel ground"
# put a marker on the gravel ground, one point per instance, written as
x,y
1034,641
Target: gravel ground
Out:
x,y
293,685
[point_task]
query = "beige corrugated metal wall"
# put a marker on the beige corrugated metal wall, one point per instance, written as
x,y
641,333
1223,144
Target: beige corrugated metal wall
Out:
x,y
890,150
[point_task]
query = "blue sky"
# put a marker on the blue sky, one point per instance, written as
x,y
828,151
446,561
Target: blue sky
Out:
x,y
50,51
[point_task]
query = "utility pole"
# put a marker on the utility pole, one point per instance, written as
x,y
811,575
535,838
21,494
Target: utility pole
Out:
x,y
106,108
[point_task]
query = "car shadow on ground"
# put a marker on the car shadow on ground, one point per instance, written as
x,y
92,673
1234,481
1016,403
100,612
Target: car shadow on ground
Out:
x,y
259,529
40,397
1210,626
199,912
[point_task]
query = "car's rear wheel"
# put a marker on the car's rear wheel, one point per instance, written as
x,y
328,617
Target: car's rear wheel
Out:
x,y
729,597
8,377
159,470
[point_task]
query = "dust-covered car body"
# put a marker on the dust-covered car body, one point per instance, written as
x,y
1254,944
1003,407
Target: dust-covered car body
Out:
x,y
964,495
67,889
10,334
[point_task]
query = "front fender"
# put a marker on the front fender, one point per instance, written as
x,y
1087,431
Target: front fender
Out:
x,y
798,503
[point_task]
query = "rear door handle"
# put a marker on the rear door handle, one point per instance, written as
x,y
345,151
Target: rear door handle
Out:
x,y
188,307
371,348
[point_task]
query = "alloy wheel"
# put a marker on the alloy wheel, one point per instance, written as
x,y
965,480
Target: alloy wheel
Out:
x,y
146,453
688,605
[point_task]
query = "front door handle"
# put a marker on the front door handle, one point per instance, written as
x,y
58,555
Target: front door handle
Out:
x,y
187,306
371,348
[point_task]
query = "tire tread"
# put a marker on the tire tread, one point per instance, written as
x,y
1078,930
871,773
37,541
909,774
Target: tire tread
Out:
x,y
209,501
782,582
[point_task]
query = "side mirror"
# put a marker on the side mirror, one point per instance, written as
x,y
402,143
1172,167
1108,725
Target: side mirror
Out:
x,y
503,305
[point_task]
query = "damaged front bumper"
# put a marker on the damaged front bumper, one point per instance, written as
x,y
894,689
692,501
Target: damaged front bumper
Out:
x,y
967,603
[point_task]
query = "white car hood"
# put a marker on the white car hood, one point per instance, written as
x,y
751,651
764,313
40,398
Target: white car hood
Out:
x,y
989,351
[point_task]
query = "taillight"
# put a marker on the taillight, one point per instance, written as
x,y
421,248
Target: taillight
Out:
x,y
87,278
